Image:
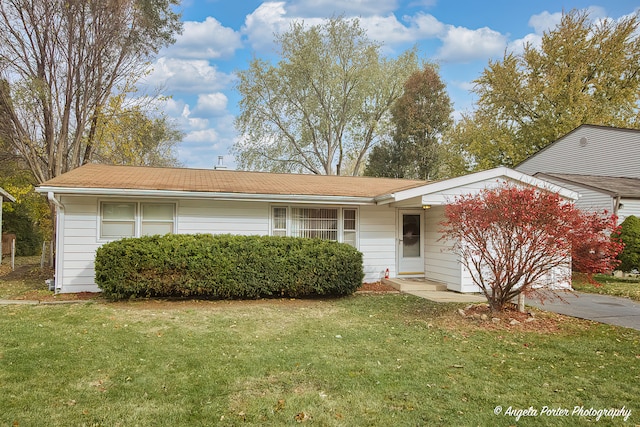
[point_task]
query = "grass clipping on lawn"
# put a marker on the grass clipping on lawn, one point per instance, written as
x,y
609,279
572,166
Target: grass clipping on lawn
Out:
x,y
369,359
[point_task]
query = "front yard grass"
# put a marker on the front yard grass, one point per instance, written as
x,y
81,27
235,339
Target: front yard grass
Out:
x,y
365,360
615,286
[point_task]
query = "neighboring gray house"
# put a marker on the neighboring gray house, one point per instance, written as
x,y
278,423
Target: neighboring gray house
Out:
x,y
601,164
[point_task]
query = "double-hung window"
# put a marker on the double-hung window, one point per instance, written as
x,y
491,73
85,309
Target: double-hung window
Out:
x,y
339,224
118,220
157,218
134,219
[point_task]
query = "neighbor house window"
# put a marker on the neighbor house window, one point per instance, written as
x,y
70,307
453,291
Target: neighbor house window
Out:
x,y
133,219
323,223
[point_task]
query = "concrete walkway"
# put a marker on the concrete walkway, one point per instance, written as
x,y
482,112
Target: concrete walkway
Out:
x,y
433,291
600,308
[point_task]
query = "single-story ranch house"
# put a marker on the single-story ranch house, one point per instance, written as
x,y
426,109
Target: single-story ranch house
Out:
x,y
393,222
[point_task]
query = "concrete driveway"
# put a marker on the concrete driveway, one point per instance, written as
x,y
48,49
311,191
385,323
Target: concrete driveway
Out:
x,y
600,308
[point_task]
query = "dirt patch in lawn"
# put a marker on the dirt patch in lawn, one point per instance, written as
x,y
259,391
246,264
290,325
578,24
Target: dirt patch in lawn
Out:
x,y
376,287
479,316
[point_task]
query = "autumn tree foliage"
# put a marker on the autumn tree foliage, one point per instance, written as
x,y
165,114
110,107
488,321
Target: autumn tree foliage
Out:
x,y
323,105
61,61
419,118
584,71
512,238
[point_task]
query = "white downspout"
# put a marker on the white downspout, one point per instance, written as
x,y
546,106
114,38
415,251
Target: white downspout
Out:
x,y
59,237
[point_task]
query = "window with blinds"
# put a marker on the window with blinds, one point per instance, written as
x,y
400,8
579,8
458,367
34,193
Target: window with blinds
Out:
x,y
322,223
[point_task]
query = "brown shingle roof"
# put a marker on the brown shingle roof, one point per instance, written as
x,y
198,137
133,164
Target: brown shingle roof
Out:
x,y
617,186
226,181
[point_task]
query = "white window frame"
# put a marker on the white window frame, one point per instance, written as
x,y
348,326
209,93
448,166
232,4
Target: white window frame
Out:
x,y
102,220
340,220
138,220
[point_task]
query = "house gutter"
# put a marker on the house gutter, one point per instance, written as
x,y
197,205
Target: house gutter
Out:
x,y
347,200
59,238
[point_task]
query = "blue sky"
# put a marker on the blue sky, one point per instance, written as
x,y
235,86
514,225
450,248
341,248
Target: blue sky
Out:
x,y
220,37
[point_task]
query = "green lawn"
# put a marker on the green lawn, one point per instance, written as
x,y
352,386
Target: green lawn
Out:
x,y
366,360
621,287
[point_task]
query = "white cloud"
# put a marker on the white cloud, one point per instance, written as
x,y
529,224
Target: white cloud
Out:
x,y
198,123
314,8
211,104
464,85
425,25
261,25
204,135
187,76
392,31
205,40
517,46
544,21
465,45
172,107
272,18
201,147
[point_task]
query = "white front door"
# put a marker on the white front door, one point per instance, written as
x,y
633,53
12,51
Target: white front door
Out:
x,y
411,242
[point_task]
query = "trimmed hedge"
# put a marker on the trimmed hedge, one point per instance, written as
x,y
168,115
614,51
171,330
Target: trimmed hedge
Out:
x,y
630,235
226,267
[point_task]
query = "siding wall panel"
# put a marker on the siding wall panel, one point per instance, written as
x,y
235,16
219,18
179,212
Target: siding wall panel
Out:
x,y
377,241
608,152
441,265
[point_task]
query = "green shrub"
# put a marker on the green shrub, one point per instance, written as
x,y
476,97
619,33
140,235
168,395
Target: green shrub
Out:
x,y
630,236
226,266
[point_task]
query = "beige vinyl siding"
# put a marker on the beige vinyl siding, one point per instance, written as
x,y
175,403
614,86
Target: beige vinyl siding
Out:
x,y
377,241
608,152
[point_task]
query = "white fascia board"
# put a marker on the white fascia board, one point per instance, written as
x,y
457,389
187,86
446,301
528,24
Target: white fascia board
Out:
x,y
490,174
296,198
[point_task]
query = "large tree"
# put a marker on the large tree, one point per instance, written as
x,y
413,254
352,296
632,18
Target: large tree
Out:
x,y
61,61
131,135
584,71
323,105
419,118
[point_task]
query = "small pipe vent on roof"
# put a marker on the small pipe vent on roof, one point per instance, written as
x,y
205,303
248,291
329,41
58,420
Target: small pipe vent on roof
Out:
x,y
220,164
